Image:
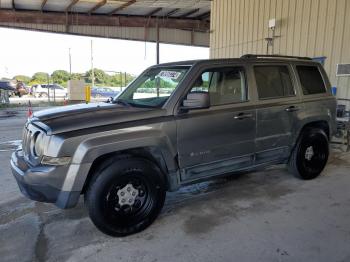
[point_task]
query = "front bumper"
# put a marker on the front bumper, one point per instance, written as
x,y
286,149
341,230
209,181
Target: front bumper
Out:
x,y
41,183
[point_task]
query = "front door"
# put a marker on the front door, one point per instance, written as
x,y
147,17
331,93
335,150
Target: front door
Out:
x,y
219,139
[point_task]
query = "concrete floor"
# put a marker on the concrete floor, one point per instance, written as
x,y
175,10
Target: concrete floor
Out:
x,y
261,216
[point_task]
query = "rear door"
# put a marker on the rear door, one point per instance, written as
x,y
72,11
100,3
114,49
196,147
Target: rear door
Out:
x,y
278,107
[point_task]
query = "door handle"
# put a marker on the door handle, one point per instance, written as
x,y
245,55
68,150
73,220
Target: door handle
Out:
x,y
241,116
292,109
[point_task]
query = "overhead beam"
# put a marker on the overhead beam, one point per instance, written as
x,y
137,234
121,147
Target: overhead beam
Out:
x,y
69,7
203,16
11,16
123,6
189,13
43,3
174,11
153,12
97,6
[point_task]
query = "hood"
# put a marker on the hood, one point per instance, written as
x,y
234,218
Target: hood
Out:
x,y
82,116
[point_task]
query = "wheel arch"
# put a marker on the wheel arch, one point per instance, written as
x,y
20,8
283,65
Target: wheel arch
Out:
x,y
322,124
150,153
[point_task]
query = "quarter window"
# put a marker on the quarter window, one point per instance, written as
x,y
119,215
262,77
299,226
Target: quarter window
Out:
x,y
273,82
311,80
224,85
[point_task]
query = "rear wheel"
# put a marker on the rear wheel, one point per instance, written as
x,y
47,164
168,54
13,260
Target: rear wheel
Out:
x,y
125,196
43,95
310,156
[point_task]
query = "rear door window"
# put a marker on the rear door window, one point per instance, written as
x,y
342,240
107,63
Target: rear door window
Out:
x,y
273,82
311,80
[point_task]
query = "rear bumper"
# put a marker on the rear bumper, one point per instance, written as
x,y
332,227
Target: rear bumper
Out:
x,y
33,183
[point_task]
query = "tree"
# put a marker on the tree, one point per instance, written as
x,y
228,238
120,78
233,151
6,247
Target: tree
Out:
x,y
40,78
121,79
22,78
60,77
116,80
77,76
100,77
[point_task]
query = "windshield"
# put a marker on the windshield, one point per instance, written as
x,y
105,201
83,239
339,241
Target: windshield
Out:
x,y
153,87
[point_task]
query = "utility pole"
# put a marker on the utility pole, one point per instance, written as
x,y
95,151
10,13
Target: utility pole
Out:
x,y
157,43
70,64
92,68
121,79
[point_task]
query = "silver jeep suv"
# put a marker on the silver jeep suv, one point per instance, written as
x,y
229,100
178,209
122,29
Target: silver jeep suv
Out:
x,y
177,124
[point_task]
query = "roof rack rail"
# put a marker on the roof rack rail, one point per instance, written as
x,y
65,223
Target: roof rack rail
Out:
x,y
254,56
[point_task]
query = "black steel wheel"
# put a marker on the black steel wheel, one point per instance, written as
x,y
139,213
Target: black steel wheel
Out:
x,y
310,156
125,196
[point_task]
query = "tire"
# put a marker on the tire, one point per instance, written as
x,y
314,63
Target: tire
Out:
x,y
104,197
310,155
43,95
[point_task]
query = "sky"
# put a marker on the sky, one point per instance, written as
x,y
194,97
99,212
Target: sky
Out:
x,y
27,52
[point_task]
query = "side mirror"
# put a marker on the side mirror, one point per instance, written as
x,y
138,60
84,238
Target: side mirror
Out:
x,y
198,100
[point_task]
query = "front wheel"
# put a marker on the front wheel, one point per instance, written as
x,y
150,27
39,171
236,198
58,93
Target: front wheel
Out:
x,y
125,196
43,95
310,155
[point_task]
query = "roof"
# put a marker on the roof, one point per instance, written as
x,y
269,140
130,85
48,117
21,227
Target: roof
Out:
x,y
187,9
179,21
160,8
244,58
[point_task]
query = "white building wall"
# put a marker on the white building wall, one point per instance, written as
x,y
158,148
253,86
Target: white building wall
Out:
x,y
311,28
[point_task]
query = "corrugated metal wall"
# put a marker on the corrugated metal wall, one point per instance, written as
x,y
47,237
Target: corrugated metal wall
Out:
x,y
166,35
311,28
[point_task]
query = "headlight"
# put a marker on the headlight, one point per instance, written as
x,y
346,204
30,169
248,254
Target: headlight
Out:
x,y
55,161
38,144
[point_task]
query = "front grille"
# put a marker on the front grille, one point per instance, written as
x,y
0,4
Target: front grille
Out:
x,y
29,134
26,142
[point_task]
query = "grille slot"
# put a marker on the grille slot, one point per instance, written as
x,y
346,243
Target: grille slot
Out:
x,y
26,142
29,134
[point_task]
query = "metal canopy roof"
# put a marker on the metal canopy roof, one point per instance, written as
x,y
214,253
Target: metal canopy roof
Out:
x,y
161,8
95,17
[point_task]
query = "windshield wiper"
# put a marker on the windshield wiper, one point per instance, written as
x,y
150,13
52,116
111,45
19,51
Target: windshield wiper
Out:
x,y
122,102
130,104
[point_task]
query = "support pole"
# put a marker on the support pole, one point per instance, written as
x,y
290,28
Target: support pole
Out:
x,y
70,65
157,28
92,68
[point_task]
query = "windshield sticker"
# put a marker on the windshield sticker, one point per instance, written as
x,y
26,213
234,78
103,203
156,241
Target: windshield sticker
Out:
x,y
169,74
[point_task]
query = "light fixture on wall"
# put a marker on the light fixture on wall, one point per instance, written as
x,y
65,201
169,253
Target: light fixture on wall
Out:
x,y
270,40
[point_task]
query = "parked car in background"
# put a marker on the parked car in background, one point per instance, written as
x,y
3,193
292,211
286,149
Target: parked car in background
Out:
x,y
15,88
21,89
9,86
6,90
99,92
52,90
